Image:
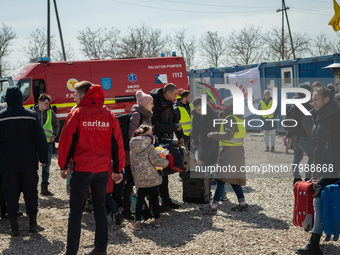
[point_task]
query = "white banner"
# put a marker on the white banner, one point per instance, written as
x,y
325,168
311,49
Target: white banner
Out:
x,y
245,79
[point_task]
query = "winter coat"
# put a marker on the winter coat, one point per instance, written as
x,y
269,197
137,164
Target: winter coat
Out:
x,y
43,117
230,155
92,136
164,119
268,124
201,126
137,112
326,137
22,138
143,161
305,122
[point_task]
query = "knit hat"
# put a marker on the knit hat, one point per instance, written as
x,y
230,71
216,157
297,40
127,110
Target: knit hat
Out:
x,y
305,86
142,98
228,101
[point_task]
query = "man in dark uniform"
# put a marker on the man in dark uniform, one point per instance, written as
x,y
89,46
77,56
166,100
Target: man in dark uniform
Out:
x,y
22,139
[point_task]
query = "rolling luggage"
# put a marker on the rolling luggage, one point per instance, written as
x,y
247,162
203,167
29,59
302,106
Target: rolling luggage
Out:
x,y
195,190
330,219
303,214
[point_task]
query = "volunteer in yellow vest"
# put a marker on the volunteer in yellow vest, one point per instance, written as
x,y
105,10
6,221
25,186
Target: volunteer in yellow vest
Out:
x,y
183,109
51,126
231,159
269,127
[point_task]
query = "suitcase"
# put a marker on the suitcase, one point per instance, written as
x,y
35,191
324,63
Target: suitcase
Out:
x,y
330,219
303,214
195,190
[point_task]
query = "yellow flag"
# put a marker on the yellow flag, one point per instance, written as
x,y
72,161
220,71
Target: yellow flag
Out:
x,y
336,18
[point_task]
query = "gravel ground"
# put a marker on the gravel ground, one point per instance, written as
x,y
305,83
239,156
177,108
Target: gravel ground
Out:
x,y
265,229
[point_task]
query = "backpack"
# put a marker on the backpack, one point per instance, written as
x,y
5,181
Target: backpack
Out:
x,y
124,121
294,113
175,156
146,213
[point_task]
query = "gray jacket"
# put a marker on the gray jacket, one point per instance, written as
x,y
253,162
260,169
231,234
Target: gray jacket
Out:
x,y
42,119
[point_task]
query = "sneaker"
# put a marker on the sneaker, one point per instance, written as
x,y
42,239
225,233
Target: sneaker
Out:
x,y
267,149
171,204
164,209
224,196
272,149
240,208
95,252
211,210
136,225
157,223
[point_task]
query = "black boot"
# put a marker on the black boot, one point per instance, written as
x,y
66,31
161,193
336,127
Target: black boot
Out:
x,y
119,219
44,190
312,247
14,227
33,223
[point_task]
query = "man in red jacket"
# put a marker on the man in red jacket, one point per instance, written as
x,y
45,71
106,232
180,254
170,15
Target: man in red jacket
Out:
x,y
91,136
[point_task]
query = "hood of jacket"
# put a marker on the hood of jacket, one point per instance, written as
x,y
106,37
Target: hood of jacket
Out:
x,y
13,96
158,94
229,111
307,105
95,95
139,143
326,111
141,110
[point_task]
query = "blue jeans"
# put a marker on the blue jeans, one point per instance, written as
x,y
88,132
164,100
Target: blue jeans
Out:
x,y
111,203
46,169
317,229
80,182
302,144
220,189
271,134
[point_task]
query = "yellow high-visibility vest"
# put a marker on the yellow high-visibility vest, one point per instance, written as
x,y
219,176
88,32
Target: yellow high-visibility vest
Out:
x,y
185,120
267,107
48,126
237,140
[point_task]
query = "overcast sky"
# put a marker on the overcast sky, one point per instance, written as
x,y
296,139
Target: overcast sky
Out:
x,y
311,16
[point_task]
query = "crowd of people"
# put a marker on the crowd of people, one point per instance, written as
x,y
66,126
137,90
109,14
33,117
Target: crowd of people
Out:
x,y
92,156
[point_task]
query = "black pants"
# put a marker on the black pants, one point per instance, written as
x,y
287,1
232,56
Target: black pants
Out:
x,y
164,190
127,188
15,182
3,208
153,196
80,182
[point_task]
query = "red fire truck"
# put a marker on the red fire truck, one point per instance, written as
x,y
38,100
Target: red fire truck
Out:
x,y
120,79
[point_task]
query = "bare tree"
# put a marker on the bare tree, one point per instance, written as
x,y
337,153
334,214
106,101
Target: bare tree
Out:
x,y
246,46
142,42
213,47
100,43
302,43
186,47
322,46
37,45
69,52
7,35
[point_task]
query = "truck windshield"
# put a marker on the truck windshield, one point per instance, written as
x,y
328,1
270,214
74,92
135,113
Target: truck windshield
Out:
x,y
25,88
3,93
